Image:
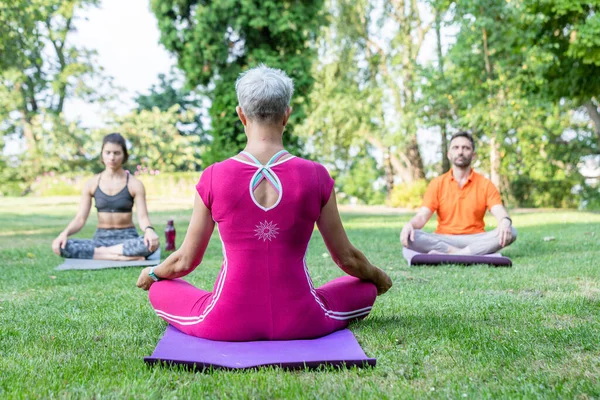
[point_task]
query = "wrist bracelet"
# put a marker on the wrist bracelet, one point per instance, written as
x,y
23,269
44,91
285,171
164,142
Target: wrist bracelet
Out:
x,y
151,227
508,218
152,275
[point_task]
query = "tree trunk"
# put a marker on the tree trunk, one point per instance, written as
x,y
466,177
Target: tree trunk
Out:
x,y
595,116
495,161
411,35
443,112
27,132
445,161
389,172
416,162
25,119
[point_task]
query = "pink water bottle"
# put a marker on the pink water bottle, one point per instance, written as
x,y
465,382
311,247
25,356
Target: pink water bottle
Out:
x,y
170,236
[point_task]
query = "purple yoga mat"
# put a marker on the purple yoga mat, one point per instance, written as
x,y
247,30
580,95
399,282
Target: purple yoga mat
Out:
x,y
337,349
415,258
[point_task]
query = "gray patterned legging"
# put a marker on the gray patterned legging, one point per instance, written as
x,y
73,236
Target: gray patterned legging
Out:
x,y
133,244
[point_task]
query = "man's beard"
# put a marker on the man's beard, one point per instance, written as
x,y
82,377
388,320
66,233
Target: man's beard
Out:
x,y
462,161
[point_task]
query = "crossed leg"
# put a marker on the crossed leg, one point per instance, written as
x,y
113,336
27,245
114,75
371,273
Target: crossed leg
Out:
x,y
476,244
114,253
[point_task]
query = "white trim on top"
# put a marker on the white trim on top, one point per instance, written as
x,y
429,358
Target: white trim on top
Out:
x,y
245,162
258,171
263,166
280,162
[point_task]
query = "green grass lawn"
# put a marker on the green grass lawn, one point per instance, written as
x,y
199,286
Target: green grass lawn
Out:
x,y
529,331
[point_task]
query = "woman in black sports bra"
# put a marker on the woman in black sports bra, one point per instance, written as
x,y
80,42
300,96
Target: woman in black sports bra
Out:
x,y
115,192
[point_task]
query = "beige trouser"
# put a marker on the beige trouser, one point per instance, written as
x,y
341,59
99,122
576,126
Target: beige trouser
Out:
x,y
478,243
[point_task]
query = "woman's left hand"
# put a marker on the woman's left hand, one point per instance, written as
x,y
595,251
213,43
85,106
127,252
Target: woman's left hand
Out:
x,y
151,240
145,281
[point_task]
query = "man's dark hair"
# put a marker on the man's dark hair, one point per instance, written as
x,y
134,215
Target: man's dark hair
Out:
x,y
465,135
116,138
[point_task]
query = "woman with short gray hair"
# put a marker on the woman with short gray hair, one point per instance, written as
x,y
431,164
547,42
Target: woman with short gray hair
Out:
x,y
265,203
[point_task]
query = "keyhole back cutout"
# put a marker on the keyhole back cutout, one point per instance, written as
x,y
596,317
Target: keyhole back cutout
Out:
x,y
265,187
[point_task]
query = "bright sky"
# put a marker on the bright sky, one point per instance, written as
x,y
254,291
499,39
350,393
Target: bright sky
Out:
x,y
125,35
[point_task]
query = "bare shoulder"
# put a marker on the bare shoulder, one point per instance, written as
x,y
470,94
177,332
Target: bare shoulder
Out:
x,y
135,185
90,185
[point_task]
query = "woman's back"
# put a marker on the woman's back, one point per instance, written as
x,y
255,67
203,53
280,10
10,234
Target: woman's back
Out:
x,y
264,284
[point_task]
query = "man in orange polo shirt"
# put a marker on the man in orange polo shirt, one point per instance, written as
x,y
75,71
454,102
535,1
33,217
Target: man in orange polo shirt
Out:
x,y
460,197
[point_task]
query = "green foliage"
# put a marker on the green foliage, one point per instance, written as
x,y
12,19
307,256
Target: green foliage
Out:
x,y
215,41
39,70
42,69
408,195
540,193
11,182
357,181
65,184
365,89
590,197
566,35
157,184
156,142
171,185
167,94
495,84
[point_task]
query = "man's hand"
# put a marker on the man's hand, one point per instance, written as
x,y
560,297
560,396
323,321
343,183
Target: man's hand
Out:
x,y
504,232
408,233
145,281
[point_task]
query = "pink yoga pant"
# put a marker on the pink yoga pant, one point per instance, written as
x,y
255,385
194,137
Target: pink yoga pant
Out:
x,y
184,309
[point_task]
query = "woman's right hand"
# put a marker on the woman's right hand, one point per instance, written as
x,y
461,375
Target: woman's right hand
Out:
x,y
59,243
382,281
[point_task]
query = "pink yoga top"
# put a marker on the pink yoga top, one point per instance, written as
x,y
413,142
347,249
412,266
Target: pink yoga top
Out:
x,y
264,289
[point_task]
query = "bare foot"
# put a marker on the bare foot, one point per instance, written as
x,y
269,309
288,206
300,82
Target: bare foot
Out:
x,y
126,258
117,257
452,250
101,255
114,253
466,251
435,252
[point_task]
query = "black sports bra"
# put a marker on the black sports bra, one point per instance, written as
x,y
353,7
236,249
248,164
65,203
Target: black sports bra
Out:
x,y
121,202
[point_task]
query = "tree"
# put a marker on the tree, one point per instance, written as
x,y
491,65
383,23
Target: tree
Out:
x,y
366,90
156,141
357,180
216,40
39,71
434,104
495,77
567,35
169,93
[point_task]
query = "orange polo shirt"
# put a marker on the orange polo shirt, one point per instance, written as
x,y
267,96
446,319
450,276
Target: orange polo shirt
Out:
x,y
461,210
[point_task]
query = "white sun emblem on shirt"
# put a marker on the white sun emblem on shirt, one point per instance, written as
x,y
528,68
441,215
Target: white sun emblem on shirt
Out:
x,y
266,231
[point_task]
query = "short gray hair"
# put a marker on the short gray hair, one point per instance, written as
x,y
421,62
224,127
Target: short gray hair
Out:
x,y
264,93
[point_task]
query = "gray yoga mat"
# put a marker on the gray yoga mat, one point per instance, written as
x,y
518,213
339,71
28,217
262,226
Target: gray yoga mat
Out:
x,y
77,263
